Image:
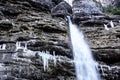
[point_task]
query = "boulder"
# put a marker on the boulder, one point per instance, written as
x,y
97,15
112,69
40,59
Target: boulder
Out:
x,y
61,10
83,9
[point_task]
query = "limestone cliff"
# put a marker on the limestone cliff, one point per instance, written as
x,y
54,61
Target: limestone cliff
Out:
x,y
28,25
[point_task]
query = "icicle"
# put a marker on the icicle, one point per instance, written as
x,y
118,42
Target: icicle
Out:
x,y
2,46
4,55
44,55
103,67
45,58
111,24
25,48
119,21
54,58
29,53
20,46
2,67
106,28
59,59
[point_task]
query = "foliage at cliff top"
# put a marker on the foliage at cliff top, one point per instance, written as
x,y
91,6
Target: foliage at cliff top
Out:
x,y
113,10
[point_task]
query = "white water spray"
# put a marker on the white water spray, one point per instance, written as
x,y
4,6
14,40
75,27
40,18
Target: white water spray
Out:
x,y
69,1
84,64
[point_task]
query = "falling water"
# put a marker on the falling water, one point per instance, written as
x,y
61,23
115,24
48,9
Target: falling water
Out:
x,y
69,1
84,64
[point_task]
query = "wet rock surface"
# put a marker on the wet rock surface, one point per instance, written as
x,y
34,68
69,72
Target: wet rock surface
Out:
x,y
62,9
27,33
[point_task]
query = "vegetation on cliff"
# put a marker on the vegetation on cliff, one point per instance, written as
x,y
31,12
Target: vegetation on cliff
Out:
x,y
114,9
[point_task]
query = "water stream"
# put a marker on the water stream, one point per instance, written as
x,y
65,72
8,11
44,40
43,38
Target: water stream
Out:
x,y
85,65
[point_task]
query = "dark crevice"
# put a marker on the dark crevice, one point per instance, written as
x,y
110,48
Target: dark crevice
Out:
x,y
53,30
118,36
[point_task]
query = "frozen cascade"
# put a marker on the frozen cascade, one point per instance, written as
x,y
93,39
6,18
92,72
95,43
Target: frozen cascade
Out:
x,y
21,45
105,68
112,24
86,68
2,68
4,55
106,27
44,55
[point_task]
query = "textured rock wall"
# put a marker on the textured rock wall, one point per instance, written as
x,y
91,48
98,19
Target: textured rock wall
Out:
x,y
106,3
27,28
24,25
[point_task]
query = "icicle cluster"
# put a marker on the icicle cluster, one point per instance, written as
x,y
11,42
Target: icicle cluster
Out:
x,y
2,46
44,55
110,23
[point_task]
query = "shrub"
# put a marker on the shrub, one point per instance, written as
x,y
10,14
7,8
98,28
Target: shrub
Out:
x,y
113,10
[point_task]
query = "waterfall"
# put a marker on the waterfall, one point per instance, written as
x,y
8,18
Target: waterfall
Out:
x,y
85,65
69,1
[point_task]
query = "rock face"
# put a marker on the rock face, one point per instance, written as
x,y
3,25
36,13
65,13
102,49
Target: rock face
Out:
x,y
106,3
84,9
25,34
42,4
105,47
5,25
62,9
29,36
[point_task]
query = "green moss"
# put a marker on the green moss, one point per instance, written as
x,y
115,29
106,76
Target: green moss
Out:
x,y
113,10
